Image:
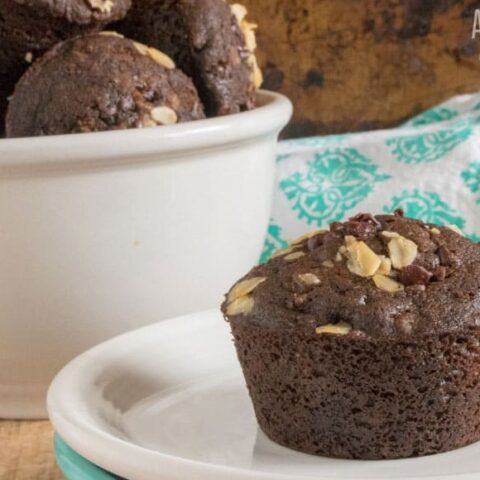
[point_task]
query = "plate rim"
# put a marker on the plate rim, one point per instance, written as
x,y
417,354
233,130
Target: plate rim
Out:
x,y
112,453
81,436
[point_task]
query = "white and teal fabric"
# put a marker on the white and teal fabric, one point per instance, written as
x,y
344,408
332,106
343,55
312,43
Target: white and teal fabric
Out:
x,y
429,166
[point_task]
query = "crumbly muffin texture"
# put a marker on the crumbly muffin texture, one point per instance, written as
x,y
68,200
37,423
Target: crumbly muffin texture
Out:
x,y
363,341
101,82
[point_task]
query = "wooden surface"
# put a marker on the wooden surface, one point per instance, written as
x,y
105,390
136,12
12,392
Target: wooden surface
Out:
x,y
357,65
26,451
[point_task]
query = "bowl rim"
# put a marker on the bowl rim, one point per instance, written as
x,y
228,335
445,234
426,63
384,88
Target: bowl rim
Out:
x,y
272,114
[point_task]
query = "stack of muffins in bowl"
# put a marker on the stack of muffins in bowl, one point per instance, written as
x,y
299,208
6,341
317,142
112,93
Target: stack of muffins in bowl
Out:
x,y
363,341
137,147
183,60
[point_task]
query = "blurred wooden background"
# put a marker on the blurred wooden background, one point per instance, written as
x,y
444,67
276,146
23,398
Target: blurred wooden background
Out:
x,y
26,451
353,65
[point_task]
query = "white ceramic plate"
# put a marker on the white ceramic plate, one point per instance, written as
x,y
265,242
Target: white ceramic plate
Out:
x,y
168,402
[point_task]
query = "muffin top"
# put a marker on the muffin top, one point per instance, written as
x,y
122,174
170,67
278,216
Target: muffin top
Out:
x,y
210,40
80,12
383,276
100,82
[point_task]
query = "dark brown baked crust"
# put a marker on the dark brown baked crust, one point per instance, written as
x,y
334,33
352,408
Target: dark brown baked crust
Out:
x,y
353,366
100,82
438,306
30,27
205,40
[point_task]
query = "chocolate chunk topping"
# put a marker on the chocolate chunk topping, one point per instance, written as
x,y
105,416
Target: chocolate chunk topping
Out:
x,y
439,274
365,217
447,257
314,242
361,226
337,227
415,275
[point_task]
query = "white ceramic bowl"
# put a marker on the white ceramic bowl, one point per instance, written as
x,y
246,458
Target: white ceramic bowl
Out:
x,y
101,233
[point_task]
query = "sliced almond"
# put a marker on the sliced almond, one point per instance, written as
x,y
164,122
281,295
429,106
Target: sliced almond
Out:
x,y
294,256
103,6
148,122
362,260
386,283
328,264
283,251
388,234
240,306
239,11
340,328
385,265
455,229
156,55
161,58
338,257
244,288
248,30
306,236
163,115
435,231
349,240
29,57
402,252
110,33
141,48
309,279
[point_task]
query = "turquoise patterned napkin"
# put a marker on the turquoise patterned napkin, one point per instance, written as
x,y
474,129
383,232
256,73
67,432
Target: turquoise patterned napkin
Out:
x,y
429,166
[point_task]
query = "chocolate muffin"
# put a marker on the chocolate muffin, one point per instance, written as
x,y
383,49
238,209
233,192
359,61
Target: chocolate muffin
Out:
x,y
100,82
29,28
364,341
209,40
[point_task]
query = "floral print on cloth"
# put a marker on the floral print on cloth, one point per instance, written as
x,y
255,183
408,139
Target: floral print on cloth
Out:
x,y
430,167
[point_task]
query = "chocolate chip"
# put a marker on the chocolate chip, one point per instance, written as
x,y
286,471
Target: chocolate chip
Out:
x,y
332,239
365,217
360,226
447,257
439,274
362,229
314,242
337,227
399,212
415,275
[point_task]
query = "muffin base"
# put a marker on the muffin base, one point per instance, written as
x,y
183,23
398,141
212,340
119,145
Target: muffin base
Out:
x,y
354,397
